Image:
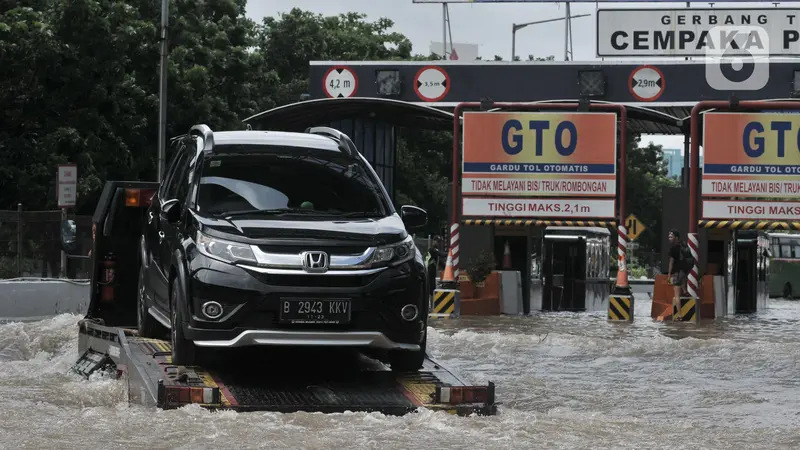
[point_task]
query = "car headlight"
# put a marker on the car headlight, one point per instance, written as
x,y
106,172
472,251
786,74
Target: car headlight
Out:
x,y
394,253
230,252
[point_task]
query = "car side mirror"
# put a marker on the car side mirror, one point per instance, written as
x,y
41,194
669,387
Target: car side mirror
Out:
x,y
171,211
413,217
69,235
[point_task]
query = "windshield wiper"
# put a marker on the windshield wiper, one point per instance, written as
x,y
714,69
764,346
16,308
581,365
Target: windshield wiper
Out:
x,y
275,211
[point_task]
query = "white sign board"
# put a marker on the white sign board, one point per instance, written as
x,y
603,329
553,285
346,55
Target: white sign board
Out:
x,y
752,210
527,187
575,209
751,188
698,32
67,190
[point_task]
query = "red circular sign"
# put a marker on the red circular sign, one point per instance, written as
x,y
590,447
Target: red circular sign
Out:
x,y
431,83
646,83
340,82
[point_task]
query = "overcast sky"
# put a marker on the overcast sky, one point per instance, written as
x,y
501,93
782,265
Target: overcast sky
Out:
x,y
488,25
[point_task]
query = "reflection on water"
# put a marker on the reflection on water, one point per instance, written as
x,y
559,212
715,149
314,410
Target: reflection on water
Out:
x,y
566,380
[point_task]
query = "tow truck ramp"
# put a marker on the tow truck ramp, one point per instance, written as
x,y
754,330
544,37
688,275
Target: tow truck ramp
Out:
x,y
154,381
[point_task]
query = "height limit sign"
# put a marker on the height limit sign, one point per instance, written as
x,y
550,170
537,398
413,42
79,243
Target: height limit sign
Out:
x,y
67,189
340,82
646,83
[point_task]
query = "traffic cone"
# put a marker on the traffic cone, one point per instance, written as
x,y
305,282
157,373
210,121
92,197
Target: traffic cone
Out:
x,y
621,286
449,276
507,257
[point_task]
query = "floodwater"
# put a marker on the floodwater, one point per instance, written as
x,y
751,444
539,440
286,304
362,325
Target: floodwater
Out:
x,y
570,381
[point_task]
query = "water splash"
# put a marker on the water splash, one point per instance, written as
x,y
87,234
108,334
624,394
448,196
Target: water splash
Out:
x,y
566,381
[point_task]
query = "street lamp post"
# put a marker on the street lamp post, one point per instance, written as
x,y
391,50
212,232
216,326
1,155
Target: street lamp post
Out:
x,y
515,27
162,92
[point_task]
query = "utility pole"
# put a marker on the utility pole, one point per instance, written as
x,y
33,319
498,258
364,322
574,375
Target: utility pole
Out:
x,y
162,92
515,27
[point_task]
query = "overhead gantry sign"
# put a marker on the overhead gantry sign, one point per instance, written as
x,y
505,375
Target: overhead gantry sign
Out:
x,y
539,166
751,173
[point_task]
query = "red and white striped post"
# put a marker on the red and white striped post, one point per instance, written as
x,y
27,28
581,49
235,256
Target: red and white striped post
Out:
x,y
620,302
454,248
622,249
692,285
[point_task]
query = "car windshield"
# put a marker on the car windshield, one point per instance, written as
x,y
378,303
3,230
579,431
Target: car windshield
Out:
x,y
288,181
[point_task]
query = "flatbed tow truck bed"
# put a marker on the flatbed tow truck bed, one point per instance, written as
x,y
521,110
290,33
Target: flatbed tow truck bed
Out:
x,y
261,382
154,381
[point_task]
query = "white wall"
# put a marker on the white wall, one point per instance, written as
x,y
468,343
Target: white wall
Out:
x,y
36,298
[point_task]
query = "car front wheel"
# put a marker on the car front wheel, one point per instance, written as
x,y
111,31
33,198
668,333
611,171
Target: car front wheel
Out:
x,y
184,352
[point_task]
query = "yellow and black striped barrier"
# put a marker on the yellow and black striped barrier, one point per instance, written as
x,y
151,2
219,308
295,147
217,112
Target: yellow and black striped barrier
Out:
x,y
687,312
540,223
445,303
749,225
620,308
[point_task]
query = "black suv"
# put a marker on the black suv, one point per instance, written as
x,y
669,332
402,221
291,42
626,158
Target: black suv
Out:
x,y
286,239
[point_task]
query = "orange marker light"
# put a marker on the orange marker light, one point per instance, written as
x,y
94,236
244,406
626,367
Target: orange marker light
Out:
x,y
197,395
132,197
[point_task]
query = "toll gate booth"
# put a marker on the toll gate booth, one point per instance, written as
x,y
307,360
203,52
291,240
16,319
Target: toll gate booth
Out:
x,y
574,269
554,183
748,186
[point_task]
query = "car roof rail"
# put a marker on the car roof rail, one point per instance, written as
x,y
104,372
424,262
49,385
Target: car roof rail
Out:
x,y
344,141
205,132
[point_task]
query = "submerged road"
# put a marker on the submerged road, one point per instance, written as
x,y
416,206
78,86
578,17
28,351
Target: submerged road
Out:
x,y
566,381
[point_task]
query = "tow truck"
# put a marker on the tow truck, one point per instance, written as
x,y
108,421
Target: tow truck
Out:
x,y
109,345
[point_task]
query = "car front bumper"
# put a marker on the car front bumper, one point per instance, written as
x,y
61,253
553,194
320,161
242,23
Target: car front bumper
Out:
x,y
251,302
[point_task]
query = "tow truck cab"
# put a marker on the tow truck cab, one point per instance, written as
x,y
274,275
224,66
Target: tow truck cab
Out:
x,y
109,343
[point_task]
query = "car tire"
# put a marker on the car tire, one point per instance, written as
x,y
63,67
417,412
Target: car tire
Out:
x,y
408,360
787,291
184,352
147,325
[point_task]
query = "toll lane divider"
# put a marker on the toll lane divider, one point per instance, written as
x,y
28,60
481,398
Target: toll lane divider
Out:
x,y
686,311
446,303
620,308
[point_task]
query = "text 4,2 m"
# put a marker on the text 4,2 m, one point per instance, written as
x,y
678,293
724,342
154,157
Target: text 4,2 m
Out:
x,y
339,84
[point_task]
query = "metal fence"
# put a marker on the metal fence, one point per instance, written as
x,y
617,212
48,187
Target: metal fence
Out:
x,y
30,245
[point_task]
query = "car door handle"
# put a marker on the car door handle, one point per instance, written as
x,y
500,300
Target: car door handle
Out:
x,y
161,236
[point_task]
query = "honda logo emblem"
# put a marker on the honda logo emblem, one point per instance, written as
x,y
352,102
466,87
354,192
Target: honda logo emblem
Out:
x,y
315,261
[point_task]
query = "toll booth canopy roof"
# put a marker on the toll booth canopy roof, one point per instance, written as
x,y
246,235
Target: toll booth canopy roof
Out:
x,y
301,115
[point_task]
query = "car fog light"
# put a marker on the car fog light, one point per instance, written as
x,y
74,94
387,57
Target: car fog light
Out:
x,y
409,313
212,310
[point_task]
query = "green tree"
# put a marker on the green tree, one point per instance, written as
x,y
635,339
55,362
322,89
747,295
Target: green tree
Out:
x,y
646,177
79,83
288,42
423,156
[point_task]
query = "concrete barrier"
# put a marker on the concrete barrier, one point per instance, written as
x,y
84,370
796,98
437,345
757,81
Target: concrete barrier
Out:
x,y
26,299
